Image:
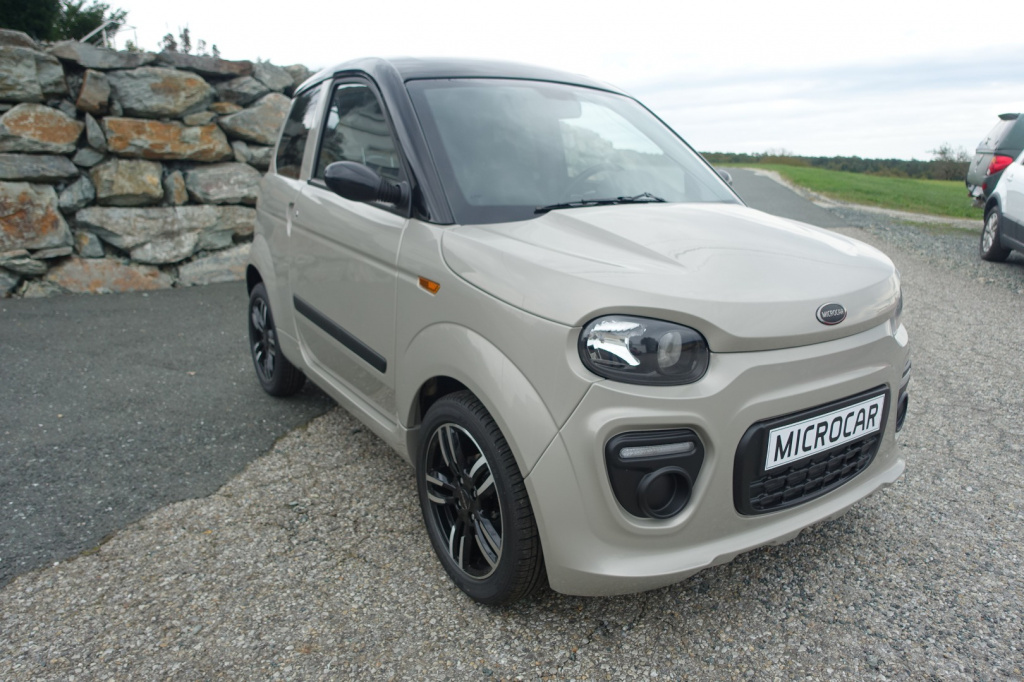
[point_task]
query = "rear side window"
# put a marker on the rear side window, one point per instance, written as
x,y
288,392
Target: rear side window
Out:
x,y
295,133
1014,140
997,138
356,130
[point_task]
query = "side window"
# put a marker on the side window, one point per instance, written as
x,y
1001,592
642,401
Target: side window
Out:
x,y
356,130
295,133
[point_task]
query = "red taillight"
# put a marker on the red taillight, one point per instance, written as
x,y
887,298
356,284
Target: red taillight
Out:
x,y
999,162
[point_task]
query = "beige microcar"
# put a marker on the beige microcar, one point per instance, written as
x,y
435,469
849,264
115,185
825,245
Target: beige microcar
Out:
x,y
607,371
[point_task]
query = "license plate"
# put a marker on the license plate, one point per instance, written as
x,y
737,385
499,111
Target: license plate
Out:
x,y
793,442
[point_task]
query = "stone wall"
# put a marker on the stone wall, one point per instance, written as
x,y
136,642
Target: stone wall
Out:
x,y
126,171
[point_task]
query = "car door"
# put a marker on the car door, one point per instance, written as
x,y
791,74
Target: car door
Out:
x,y
343,255
278,191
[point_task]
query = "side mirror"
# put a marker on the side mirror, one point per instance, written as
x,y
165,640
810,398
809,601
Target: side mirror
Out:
x,y
725,175
357,182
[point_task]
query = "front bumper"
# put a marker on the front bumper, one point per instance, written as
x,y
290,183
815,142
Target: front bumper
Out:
x,y
592,546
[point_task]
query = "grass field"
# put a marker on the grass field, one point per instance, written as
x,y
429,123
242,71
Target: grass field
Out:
x,y
934,197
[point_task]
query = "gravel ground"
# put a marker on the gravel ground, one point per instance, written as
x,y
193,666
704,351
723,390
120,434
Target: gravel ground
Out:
x,y
313,564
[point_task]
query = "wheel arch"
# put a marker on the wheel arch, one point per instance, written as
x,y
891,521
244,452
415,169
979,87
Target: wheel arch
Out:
x,y
252,278
450,358
432,390
260,267
992,202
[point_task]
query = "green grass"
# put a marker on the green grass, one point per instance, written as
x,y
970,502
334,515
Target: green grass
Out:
x,y
946,198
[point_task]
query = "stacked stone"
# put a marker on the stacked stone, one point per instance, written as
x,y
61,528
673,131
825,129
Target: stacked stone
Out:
x,y
126,171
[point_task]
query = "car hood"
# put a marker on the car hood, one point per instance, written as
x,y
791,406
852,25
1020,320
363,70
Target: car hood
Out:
x,y
745,279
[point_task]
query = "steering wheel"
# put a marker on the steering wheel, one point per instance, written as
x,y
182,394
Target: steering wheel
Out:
x,y
576,183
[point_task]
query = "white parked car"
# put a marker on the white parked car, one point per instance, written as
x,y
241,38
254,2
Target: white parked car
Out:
x,y
605,368
1004,215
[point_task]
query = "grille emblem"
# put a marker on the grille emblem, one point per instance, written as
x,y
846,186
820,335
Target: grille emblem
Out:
x,y
831,313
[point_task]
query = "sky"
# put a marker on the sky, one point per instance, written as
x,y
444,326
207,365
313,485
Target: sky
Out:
x,y
892,79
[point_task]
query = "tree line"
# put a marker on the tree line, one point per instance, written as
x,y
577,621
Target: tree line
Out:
x,y
948,164
53,20
58,19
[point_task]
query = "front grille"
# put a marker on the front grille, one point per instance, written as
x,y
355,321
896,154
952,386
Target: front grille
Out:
x,y
811,477
757,491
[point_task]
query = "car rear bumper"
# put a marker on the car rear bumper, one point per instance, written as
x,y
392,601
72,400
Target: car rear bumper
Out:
x,y
593,546
977,194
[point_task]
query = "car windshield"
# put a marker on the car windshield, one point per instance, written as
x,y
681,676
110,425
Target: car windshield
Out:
x,y
507,150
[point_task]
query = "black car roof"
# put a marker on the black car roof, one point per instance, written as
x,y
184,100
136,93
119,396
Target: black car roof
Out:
x,y
412,68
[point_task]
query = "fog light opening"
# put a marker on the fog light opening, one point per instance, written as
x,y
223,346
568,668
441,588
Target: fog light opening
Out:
x,y
652,473
901,410
664,493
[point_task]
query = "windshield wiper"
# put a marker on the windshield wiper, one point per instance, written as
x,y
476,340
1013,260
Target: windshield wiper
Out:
x,y
644,198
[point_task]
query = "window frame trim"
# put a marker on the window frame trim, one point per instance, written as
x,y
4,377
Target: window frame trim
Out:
x,y
328,87
312,134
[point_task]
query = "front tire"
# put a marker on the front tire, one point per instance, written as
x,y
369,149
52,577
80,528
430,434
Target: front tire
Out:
x,y
990,248
276,375
475,505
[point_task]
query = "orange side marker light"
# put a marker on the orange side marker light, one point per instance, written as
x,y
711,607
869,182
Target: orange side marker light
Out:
x,y
429,285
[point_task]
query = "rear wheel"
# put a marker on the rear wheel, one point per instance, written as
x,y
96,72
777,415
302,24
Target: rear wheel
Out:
x,y
276,375
990,248
475,504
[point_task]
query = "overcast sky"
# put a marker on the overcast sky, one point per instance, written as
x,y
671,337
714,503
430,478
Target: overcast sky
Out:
x,y
873,79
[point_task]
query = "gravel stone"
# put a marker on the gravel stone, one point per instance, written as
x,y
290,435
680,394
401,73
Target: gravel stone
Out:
x,y
200,118
55,252
313,563
94,134
175,193
274,77
19,262
157,92
227,265
87,157
94,95
242,91
36,168
77,195
88,245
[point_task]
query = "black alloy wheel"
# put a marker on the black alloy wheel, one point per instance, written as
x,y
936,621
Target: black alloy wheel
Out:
x,y
276,375
475,504
464,500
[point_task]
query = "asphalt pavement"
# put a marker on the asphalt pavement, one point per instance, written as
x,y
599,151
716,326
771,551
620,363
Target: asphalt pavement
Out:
x,y
116,405
763,193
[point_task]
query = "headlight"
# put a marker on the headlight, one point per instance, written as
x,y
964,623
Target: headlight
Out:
x,y
639,350
897,315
